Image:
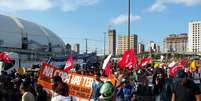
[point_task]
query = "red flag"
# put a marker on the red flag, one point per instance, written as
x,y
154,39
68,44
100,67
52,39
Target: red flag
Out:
x,y
183,62
107,70
145,61
128,59
121,61
173,70
69,63
106,65
1,56
4,57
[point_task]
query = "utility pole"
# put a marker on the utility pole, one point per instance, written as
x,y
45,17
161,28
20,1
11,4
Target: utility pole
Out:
x,y
129,3
104,42
86,45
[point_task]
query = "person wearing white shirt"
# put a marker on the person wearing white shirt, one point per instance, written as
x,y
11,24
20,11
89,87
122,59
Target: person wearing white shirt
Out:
x,y
27,95
63,98
196,77
61,90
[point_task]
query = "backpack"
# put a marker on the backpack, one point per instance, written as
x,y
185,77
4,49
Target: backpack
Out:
x,y
97,89
127,91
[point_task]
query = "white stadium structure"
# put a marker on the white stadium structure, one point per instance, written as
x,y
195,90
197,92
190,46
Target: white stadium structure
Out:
x,y
30,40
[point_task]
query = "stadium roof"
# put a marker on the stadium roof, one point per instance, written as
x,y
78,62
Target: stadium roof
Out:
x,y
13,29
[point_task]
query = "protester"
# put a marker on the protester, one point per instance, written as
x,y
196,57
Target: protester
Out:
x,y
41,94
137,83
166,93
3,91
158,82
61,90
144,91
127,90
107,92
96,85
119,90
121,75
197,77
25,90
185,89
57,82
61,94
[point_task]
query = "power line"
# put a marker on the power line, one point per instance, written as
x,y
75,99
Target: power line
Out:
x,y
89,39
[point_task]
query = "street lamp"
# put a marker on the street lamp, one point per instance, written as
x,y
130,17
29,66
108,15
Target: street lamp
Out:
x,y
129,24
86,45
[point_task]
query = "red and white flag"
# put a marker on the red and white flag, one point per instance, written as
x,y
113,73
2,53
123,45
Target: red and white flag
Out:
x,y
145,61
174,67
173,70
106,65
69,63
183,62
127,60
4,57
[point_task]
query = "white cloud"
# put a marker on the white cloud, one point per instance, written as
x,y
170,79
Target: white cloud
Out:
x,y
43,5
158,7
20,5
161,5
124,19
70,5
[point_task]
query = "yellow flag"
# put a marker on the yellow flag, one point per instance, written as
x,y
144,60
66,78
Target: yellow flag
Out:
x,y
193,66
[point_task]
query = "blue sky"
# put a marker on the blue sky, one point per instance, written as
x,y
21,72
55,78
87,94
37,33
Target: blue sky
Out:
x,y
75,20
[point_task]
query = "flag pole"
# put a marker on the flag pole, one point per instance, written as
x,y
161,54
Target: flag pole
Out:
x,y
129,24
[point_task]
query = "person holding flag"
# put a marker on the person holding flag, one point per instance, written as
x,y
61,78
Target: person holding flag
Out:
x,y
69,63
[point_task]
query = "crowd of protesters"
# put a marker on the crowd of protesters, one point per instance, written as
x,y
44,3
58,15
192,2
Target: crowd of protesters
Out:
x,y
148,84
15,87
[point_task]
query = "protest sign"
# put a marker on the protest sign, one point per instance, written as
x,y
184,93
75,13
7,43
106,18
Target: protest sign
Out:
x,y
79,85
